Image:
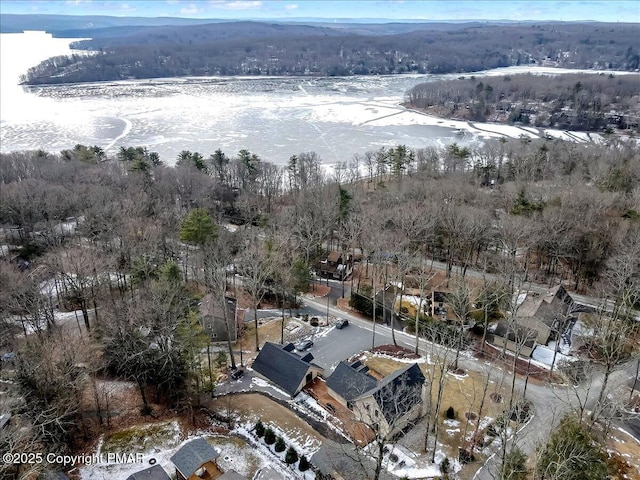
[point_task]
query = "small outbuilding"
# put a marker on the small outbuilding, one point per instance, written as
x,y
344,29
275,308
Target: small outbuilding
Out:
x,y
196,460
156,472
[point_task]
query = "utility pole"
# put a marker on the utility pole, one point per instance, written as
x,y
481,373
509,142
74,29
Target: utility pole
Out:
x,y
328,299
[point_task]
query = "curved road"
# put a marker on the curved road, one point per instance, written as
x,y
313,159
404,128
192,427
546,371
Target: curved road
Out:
x,y
551,402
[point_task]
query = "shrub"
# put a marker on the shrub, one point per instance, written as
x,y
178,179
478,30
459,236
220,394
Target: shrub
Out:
x,y
259,428
451,413
304,464
445,465
280,445
269,437
291,456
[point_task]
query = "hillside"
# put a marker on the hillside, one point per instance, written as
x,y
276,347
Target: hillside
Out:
x,y
257,48
570,102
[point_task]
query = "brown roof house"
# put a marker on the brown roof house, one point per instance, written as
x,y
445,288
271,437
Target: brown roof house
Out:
x,y
337,265
280,365
388,405
536,318
195,460
213,318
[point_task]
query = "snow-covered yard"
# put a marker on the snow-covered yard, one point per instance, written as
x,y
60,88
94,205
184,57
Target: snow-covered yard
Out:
x,y
152,444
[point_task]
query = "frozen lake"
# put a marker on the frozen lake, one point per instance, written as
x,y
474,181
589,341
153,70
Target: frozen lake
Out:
x,y
272,117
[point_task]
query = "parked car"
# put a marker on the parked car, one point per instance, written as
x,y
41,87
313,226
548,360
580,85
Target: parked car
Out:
x,y
341,323
236,374
331,408
304,345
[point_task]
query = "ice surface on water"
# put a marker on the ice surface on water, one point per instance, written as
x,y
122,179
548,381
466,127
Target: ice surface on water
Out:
x,y
273,117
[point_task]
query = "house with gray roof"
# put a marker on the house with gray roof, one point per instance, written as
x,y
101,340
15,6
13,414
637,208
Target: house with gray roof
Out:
x,y
155,472
537,319
388,405
221,324
195,460
282,366
349,381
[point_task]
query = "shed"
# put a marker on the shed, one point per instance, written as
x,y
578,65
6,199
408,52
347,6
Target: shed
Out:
x,y
155,472
195,460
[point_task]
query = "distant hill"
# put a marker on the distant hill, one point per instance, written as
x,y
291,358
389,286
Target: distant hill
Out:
x,y
272,48
84,25
199,34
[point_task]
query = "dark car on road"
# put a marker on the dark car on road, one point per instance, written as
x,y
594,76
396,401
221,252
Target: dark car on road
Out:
x,y
236,374
304,344
341,323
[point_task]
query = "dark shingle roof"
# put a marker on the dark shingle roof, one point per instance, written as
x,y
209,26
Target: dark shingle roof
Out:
x,y
398,392
231,475
193,455
282,366
349,381
152,473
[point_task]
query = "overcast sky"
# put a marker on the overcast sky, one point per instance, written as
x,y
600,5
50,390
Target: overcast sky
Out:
x,y
567,10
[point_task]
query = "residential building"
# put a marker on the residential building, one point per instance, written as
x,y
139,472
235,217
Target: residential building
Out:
x,y
155,472
537,318
388,405
214,317
196,460
338,265
282,366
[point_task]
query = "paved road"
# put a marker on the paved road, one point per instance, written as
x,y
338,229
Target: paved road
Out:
x,y
550,402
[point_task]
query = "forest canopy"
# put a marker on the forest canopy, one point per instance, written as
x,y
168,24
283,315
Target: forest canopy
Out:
x,y
571,101
251,48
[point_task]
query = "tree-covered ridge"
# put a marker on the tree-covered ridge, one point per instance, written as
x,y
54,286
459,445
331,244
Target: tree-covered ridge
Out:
x,y
134,245
247,48
572,101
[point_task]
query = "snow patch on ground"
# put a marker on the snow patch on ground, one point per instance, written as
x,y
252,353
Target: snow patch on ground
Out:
x,y
159,453
304,447
543,356
399,360
259,382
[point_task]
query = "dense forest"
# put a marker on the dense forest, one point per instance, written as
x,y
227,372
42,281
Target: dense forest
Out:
x,y
570,102
250,48
133,246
